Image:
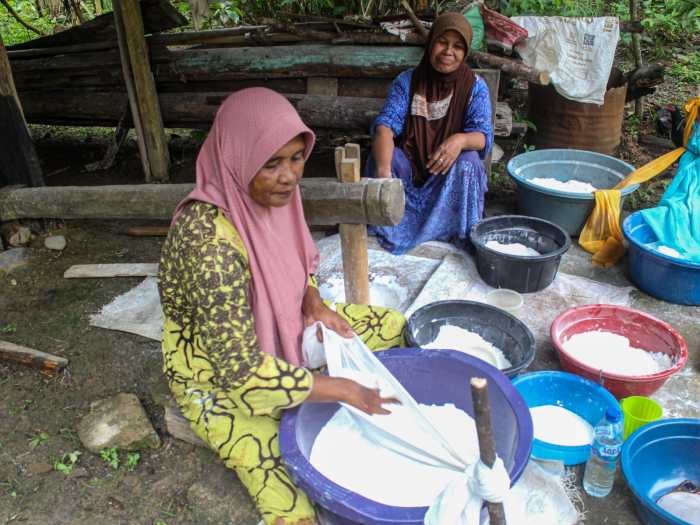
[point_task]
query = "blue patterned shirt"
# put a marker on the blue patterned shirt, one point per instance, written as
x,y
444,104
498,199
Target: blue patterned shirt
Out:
x,y
397,105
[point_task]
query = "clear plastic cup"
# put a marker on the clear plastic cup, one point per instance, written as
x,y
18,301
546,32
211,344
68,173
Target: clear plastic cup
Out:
x,y
508,300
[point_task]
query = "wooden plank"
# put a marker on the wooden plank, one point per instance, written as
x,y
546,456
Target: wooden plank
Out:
x,y
197,110
322,86
145,90
125,63
179,427
353,237
19,164
148,231
95,271
47,363
326,201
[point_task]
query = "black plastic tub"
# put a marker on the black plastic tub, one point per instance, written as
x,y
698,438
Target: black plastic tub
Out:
x,y
504,331
521,273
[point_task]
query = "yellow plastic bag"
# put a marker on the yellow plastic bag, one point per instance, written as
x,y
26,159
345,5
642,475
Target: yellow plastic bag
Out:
x,y
602,235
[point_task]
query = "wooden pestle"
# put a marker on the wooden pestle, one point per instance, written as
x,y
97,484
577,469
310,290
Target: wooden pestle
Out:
x,y
484,431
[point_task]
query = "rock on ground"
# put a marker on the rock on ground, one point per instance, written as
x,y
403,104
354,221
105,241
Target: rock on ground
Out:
x,y
55,242
14,258
118,421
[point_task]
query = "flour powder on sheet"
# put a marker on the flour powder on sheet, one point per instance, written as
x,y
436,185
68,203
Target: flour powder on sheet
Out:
x,y
384,290
453,337
572,186
613,353
559,426
515,248
343,454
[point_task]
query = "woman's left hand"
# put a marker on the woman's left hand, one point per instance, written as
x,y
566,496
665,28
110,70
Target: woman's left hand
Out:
x,y
445,155
332,321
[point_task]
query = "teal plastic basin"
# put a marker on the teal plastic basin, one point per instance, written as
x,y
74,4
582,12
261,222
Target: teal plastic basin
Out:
x,y
568,210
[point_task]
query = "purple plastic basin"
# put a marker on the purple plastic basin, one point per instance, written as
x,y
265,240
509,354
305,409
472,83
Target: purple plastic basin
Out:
x,y
431,377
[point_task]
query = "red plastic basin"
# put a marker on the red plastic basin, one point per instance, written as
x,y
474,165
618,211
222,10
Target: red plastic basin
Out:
x,y
643,331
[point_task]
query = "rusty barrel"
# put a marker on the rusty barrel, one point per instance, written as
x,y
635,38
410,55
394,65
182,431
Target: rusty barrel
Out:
x,y
563,123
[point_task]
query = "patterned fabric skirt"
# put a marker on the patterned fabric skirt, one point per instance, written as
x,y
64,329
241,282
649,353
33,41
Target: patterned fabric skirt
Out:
x,y
253,451
443,209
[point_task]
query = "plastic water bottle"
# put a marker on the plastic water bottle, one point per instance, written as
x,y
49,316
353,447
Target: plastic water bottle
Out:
x,y
601,465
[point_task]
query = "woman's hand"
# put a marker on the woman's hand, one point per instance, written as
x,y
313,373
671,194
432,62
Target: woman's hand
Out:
x,y
332,321
369,400
337,389
445,155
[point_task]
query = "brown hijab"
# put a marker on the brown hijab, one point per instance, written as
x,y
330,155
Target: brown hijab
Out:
x,y
429,122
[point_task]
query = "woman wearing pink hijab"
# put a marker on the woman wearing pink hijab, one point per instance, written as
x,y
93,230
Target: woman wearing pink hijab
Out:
x,y
237,290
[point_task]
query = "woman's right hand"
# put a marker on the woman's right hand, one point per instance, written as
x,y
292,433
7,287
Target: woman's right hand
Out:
x,y
369,400
340,390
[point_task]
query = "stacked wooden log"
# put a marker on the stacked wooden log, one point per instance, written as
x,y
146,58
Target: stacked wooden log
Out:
x,y
82,84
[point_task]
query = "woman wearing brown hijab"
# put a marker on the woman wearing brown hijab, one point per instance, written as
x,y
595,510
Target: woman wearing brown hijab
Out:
x,y
433,132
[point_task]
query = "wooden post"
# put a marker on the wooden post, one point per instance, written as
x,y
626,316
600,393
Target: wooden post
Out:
x,y
353,237
143,95
637,51
484,431
20,164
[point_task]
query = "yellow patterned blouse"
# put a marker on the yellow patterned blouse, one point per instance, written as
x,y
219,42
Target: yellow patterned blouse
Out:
x,y
209,343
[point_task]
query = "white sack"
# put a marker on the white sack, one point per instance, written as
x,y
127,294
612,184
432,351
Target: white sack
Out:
x,y
460,502
578,53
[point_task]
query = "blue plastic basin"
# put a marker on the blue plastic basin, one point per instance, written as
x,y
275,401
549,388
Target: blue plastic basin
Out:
x,y
431,377
656,459
662,276
568,210
574,393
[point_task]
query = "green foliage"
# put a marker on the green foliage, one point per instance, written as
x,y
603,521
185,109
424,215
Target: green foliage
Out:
x,y
687,69
553,7
132,461
24,405
662,19
67,462
111,456
9,328
38,439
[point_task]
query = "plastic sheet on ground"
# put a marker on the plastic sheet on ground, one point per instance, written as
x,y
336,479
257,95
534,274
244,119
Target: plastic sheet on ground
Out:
x,y
458,278
137,311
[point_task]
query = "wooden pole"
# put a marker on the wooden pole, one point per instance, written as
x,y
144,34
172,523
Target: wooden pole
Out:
x,y
416,23
47,363
353,237
487,447
326,201
637,50
19,162
130,90
156,145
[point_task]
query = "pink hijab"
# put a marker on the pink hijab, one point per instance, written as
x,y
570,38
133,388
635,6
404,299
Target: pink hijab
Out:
x,y
250,126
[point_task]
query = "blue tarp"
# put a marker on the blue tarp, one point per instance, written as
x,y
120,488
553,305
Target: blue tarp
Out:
x,y
676,220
